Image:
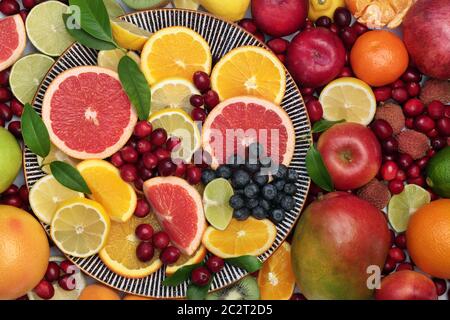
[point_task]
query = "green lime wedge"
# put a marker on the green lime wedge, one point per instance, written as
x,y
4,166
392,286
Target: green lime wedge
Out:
x,y
405,204
215,200
438,173
26,75
114,9
46,29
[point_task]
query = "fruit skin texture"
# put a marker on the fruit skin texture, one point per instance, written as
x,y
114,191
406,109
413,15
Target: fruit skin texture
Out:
x,y
10,159
342,234
98,292
438,173
406,285
351,153
428,238
315,57
24,252
279,18
229,10
426,34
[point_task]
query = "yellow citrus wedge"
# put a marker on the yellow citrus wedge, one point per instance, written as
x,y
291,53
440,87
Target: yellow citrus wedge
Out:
x,y
55,155
110,58
249,237
80,227
175,52
173,93
128,36
185,260
119,253
249,71
348,99
107,187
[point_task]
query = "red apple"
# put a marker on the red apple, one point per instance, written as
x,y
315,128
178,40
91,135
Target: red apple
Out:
x,y
315,57
279,18
406,285
351,153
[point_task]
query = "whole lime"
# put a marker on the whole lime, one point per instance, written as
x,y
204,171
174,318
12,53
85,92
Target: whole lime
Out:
x,y
438,173
10,159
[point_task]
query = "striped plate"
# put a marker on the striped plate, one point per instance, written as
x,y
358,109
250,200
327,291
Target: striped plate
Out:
x,y
222,37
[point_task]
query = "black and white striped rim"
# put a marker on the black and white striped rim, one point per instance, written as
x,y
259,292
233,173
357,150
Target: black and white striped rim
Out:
x,y
222,37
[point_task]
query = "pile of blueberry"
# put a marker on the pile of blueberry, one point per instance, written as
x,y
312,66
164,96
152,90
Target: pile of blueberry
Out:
x,y
254,195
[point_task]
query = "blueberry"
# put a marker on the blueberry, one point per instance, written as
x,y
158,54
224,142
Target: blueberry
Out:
x,y
252,203
251,190
287,203
237,202
208,175
224,171
239,192
261,179
235,161
281,172
252,167
278,198
241,214
240,179
269,192
290,188
256,150
264,204
266,162
279,184
277,216
292,175
259,213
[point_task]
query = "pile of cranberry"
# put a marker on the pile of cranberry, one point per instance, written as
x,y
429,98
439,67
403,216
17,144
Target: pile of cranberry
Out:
x,y
11,7
10,107
16,196
62,273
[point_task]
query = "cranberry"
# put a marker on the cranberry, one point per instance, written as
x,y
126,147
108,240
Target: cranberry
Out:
x,y
16,107
359,28
413,89
142,208
67,282
149,160
400,95
405,160
413,107
409,123
390,145
44,290
436,109
24,193
389,266
211,99
5,112
400,241
433,196
389,157
382,93
307,91
4,77
215,264
143,146
346,72
5,95
170,255
202,81
424,123
13,200
396,186
308,25
411,75
29,4
128,172
431,153
278,45
197,100
132,143
397,84
348,36
117,160
161,240
162,154
397,255
15,128
158,137
315,111
391,237
144,232
405,266
193,175
53,271
297,296
422,162
200,276
143,129
68,267
166,167
129,154
441,286
342,17
173,143
420,181
382,129
144,173
198,114
2,122
389,170
443,126
23,14
447,112
433,133
324,22
249,25
413,171
401,175
438,143
282,58
12,190
145,251
181,169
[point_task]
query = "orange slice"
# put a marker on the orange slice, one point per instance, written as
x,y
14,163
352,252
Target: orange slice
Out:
x,y
186,260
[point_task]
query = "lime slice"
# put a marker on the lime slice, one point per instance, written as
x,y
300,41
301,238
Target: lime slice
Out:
x,y
216,203
173,93
110,58
405,204
46,29
55,154
27,74
114,9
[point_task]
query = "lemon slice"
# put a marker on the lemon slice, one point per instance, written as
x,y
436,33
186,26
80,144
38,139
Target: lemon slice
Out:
x,y
80,227
179,124
46,195
216,203
186,4
348,99
110,58
403,205
173,93
129,36
54,155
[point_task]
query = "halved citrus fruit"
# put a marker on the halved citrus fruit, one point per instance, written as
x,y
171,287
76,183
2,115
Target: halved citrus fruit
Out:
x,y
249,71
175,52
216,202
238,122
250,237
107,187
185,260
87,113
276,279
179,209
128,35
119,253
173,93
13,40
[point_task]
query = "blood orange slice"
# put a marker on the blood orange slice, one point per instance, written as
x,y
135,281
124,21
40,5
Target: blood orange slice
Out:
x,y
13,40
178,207
87,113
238,122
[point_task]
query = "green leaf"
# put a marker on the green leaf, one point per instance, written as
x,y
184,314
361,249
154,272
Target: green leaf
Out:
x,y
85,38
69,177
323,125
317,170
136,86
198,293
180,275
34,132
249,263
94,18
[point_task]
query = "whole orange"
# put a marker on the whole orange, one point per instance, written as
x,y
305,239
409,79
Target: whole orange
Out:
x,y
428,238
98,292
24,252
379,57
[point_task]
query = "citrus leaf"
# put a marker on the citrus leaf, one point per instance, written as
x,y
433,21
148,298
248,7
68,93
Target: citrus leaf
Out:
x,y
248,263
180,275
317,170
195,292
69,177
135,85
323,125
34,132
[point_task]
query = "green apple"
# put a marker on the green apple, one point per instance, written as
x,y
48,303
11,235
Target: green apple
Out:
x,y
10,159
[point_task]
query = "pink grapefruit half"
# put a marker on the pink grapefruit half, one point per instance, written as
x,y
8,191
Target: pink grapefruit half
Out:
x,y
87,113
238,122
179,209
13,40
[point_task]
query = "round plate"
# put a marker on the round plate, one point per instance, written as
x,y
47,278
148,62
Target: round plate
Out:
x,y
222,37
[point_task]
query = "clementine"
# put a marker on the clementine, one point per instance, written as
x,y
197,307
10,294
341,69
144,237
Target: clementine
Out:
x,y
98,292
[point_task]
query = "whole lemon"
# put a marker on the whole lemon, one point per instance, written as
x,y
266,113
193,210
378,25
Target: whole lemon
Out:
x,y
230,10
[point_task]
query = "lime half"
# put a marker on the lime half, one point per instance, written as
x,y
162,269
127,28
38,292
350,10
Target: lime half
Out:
x,y
405,204
46,29
27,74
216,203
114,9
438,173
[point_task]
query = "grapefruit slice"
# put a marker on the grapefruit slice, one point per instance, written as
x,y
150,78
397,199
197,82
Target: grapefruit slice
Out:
x,y
87,113
13,40
238,122
178,207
